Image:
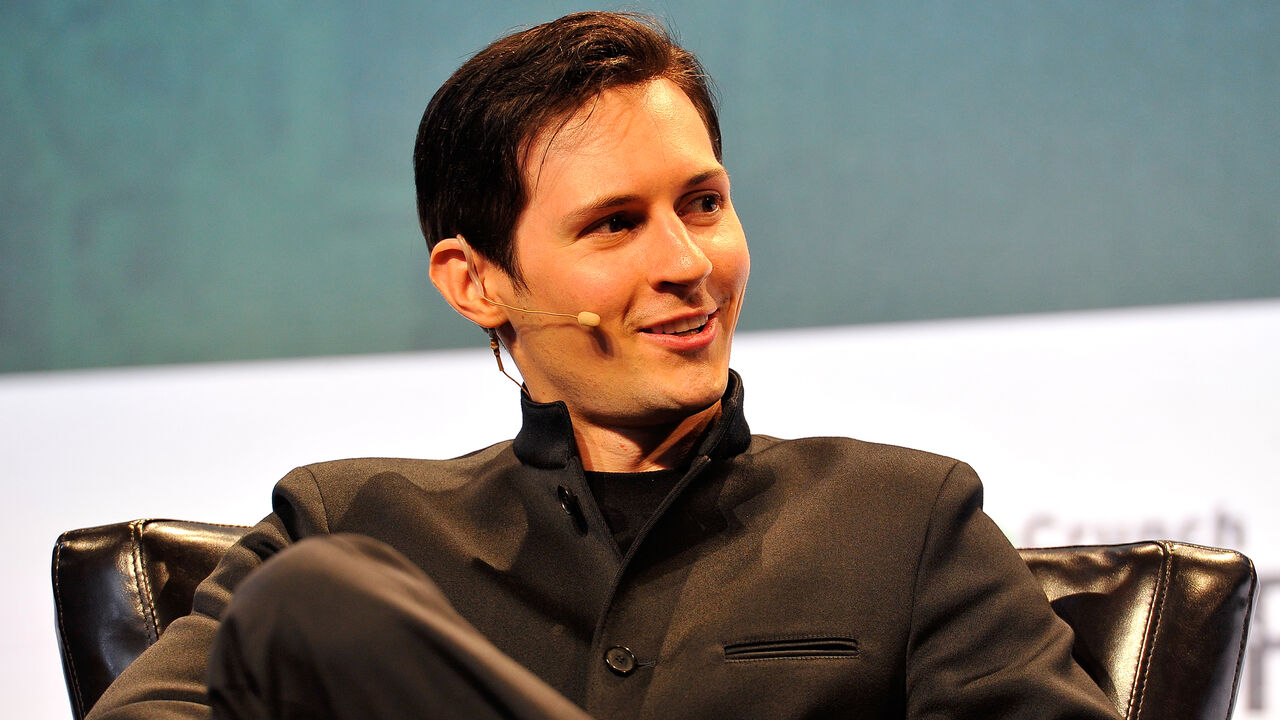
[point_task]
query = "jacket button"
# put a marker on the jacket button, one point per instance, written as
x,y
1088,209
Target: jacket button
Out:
x,y
569,503
620,660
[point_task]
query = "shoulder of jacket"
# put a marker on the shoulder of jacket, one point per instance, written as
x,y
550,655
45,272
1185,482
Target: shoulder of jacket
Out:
x,y
858,466
391,463
347,470
834,447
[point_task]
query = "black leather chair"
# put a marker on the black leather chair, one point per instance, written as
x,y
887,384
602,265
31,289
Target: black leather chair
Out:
x,y
117,587
1160,625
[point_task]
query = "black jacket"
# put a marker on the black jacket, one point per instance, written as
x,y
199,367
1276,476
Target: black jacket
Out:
x,y
813,578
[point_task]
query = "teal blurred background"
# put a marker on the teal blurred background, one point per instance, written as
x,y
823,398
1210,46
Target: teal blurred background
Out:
x,y
210,181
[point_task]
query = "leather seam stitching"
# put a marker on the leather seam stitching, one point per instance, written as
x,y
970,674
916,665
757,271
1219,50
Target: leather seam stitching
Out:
x,y
1244,637
62,630
1158,600
143,583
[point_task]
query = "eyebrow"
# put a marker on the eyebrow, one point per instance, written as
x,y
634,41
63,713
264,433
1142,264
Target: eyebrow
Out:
x,y
610,201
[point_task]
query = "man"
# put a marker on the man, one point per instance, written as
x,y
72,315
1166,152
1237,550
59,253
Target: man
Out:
x,y
634,552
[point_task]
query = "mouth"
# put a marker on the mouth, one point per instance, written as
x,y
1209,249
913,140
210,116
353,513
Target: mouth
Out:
x,y
680,328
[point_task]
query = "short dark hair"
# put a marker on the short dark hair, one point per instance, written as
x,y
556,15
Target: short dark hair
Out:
x,y
473,135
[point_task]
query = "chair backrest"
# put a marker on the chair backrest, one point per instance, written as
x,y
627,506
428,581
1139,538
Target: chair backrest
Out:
x,y
117,587
1159,625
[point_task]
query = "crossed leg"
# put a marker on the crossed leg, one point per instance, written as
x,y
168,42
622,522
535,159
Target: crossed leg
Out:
x,y
343,626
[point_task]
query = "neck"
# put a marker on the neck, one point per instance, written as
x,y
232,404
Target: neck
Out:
x,y
612,448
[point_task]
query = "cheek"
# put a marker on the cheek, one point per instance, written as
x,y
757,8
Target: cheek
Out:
x,y
599,286
731,262
563,278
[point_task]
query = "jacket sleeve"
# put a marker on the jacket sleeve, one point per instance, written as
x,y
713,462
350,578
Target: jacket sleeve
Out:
x,y
168,680
984,641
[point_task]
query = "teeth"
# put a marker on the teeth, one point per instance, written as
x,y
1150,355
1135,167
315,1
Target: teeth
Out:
x,y
680,326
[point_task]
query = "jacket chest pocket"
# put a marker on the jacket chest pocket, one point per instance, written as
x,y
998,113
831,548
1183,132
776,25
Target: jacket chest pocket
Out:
x,y
792,648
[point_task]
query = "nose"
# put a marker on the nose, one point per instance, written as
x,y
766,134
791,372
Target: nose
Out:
x,y
677,257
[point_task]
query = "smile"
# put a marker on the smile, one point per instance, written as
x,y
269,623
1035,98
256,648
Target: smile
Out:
x,y
687,326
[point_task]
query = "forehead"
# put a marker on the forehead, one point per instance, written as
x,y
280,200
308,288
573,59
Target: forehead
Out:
x,y
621,132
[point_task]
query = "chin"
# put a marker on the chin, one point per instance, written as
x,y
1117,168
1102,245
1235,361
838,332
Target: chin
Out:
x,y
646,408
698,394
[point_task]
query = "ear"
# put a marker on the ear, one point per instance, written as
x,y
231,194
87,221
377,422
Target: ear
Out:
x,y
459,273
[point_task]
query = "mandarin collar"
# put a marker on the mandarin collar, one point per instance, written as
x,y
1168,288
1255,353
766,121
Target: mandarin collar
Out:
x,y
546,439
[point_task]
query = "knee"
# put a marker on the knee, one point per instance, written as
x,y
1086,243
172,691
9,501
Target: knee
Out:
x,y
294,579
308,612
325,583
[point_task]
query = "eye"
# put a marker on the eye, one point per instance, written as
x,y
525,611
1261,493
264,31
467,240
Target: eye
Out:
x,y
704,204
616,223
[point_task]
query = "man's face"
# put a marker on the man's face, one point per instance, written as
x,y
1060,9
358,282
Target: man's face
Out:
x,y
630,218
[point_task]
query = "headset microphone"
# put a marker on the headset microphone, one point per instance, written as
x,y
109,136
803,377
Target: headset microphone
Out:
x,y
586,318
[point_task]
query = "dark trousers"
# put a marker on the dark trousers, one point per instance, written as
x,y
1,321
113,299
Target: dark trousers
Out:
x,y
345,627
